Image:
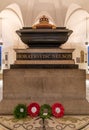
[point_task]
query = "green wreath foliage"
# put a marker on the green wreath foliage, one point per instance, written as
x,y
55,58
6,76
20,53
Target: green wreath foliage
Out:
x,y
20,111
42,111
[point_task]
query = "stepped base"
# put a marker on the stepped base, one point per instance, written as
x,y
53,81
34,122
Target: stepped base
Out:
x,y
44,66
45,62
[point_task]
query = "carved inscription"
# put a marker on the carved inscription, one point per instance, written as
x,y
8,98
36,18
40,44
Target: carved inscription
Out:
x,y
44,56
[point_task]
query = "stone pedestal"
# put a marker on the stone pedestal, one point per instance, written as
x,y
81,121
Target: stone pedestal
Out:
x,y
66,86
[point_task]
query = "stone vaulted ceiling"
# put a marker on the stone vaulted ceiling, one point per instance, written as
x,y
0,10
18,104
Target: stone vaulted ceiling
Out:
x,y
56,8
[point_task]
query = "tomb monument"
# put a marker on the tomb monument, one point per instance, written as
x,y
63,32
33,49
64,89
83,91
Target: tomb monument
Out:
x,y
44,72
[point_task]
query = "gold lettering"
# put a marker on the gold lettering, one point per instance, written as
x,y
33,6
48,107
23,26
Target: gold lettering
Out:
x,y
24,56
53,56
69,56
64,56
29,56
43,56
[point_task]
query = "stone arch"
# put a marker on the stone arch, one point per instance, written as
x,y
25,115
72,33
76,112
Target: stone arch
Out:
x,y
73,8
76,21
12,18
12,21
16,10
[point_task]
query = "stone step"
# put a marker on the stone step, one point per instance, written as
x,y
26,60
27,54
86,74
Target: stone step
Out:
x,y
44,66
44,50
44,62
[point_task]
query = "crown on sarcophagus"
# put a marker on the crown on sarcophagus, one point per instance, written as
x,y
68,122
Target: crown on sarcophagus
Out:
x,y
44,24
44,19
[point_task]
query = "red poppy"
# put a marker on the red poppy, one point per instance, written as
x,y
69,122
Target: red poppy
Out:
x,y
33,109
57,110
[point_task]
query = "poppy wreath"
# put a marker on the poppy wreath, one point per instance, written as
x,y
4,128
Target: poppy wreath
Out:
x,y
57,110
33,109
20,111
45,111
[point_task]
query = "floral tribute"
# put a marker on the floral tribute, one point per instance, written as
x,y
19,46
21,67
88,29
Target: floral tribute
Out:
x,y
33,109
20,111
45,111
57,110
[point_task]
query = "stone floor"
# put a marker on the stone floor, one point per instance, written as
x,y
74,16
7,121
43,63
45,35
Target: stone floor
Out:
x,y
65,123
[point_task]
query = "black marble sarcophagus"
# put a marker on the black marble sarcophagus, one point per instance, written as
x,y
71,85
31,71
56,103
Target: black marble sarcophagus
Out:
x,y
44,37
44,34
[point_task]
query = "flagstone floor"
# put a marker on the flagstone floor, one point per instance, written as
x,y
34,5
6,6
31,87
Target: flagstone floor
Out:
x,y
65,123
